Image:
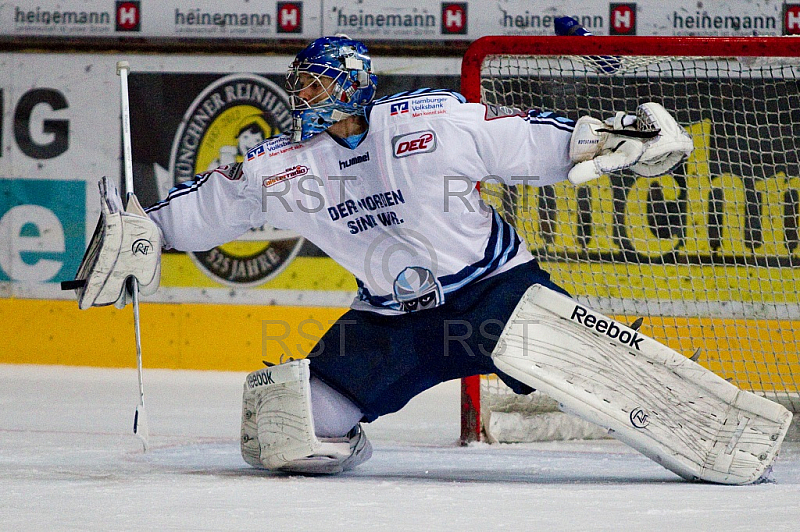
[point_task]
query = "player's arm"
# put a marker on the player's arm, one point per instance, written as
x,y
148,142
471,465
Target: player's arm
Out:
x,y
214,208
517,145
549,148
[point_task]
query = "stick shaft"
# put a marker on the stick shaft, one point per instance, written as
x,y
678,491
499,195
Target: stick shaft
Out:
x,y
138,335
126,127
140,421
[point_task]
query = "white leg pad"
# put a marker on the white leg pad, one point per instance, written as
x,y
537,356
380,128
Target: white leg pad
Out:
x,y
250,448
278,427
645,394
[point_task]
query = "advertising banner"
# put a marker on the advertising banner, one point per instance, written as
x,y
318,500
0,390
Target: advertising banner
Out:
x,y
424,21
60,124
379,20
681,17
199,19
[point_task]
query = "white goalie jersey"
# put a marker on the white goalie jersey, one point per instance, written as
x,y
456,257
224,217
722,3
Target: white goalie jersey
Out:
x,y
401,211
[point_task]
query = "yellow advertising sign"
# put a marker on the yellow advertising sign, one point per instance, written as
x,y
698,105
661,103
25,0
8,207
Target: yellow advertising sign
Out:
x,y
692,236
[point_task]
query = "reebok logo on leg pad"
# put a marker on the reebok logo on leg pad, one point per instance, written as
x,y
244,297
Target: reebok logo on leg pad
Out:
x,y
294,371
610,328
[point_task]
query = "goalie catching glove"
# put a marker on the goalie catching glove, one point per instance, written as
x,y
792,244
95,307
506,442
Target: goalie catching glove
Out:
x,y
650,143
125,244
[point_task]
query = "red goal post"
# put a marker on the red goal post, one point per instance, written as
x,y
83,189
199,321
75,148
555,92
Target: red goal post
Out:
x,y
710,255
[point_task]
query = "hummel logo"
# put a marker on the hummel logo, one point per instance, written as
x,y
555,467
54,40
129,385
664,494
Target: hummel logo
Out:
x,y
355,160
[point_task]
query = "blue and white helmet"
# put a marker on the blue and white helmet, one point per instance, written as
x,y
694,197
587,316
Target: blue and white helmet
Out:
x,y
344,61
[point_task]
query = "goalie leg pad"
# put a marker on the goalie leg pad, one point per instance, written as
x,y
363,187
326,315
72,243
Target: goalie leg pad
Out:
x,y
656,400
278,426
250,447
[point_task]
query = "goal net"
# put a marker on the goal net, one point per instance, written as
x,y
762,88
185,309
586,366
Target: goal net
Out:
x,y
709,255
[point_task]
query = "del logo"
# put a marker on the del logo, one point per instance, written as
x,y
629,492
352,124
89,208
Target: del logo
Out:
x,y
226,124
454,18
399,108
791,19
128,16
290,17
622,19
413,143
289,173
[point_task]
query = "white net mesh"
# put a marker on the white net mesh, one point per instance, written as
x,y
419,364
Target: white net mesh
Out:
x,y
709,255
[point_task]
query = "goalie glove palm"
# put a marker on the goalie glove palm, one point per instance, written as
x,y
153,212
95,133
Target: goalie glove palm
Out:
x,y
125,244
668,148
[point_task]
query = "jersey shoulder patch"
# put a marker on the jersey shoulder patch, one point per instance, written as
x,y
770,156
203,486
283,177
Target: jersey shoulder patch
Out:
x,y
414,104
271,147
501,111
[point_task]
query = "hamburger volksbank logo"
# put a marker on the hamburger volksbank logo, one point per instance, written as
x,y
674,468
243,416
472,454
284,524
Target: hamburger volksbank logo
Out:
x,y
226,120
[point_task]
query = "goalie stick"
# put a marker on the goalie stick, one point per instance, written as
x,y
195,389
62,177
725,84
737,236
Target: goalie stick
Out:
x,y
140,426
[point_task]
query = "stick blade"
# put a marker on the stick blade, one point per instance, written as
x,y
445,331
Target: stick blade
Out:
x,y
140,427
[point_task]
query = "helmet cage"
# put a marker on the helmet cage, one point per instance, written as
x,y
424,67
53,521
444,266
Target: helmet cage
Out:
x,y
343,70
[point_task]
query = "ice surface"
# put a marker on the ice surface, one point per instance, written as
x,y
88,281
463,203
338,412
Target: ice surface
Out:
x,y
69,461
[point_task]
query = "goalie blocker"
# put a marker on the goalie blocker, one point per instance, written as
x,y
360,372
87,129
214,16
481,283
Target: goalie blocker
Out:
x,y
654,399
125,244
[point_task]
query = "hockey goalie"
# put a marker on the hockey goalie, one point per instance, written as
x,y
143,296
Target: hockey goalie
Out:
x,y
446,287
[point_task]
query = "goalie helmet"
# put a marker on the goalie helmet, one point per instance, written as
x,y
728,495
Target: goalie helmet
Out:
x,y
342,69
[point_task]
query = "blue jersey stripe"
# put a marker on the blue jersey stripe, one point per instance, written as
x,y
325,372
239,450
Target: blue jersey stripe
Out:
x,y
181,189
546,117
503,245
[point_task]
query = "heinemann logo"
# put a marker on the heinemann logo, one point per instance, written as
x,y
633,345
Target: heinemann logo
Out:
x,y
610,328
196,17
46,17
384,20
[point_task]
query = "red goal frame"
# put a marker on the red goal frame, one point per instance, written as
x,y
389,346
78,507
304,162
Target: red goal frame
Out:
x,y
487,46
